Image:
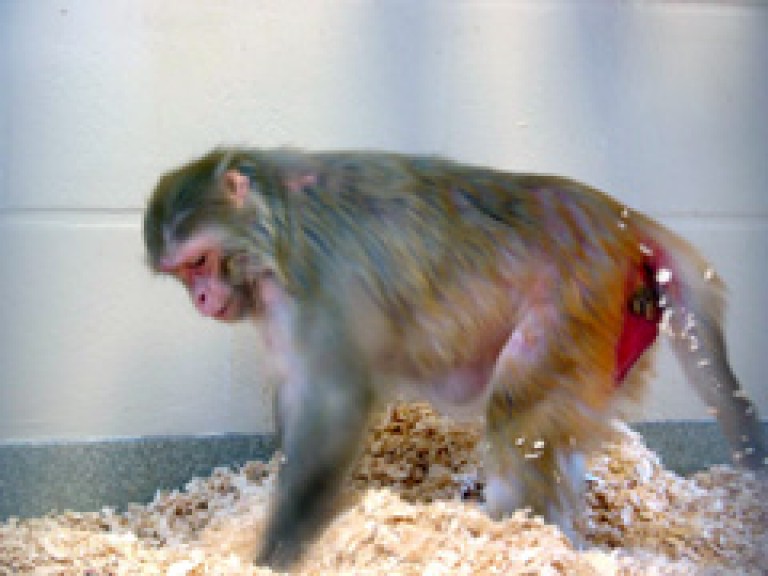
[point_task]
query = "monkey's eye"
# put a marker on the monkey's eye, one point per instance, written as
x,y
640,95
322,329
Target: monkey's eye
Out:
x,y
199,262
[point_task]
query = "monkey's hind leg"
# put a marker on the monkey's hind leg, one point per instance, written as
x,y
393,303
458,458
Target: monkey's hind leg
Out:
x,y
533,461
545,410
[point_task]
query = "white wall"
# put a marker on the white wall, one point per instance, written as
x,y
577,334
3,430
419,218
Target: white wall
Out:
x,y
663,104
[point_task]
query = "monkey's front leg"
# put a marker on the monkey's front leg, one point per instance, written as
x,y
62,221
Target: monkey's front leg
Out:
x,y
324,406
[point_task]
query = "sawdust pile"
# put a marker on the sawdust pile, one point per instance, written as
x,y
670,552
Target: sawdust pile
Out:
x,y
409,509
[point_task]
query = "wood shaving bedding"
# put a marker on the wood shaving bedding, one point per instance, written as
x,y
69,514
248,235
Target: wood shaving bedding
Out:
x,y
411,508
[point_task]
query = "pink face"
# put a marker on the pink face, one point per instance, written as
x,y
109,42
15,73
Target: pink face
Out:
x,y
198,265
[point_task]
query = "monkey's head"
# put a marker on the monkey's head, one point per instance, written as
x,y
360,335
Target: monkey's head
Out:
x,y
203,226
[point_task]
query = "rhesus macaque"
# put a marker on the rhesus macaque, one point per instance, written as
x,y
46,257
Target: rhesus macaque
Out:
x,y
529,300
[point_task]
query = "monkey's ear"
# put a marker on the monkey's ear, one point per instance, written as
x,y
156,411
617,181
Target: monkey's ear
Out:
x,y
299,181
238,186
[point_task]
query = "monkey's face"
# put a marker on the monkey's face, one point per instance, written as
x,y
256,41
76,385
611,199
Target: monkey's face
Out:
x,y
200,264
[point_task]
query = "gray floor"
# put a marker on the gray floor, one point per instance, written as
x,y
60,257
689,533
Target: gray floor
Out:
x,y
38,478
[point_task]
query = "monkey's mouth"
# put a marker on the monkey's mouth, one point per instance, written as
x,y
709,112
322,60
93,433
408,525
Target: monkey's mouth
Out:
x,y
224,311
232,311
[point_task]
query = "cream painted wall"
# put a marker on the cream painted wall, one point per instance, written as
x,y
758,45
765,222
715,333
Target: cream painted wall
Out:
x,y
663,104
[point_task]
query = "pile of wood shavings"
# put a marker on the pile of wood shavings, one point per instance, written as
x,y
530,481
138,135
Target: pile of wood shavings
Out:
x,y
404,514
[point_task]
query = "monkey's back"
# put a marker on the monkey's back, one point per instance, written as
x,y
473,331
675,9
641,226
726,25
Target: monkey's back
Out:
x,y
416,222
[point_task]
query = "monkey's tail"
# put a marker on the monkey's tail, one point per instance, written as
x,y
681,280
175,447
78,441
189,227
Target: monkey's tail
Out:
x,y
691,295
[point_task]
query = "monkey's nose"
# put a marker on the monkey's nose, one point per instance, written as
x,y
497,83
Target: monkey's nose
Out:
x,y
204,305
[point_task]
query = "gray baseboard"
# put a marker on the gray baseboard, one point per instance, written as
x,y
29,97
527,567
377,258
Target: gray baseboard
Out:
x,y
36,478
686,447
